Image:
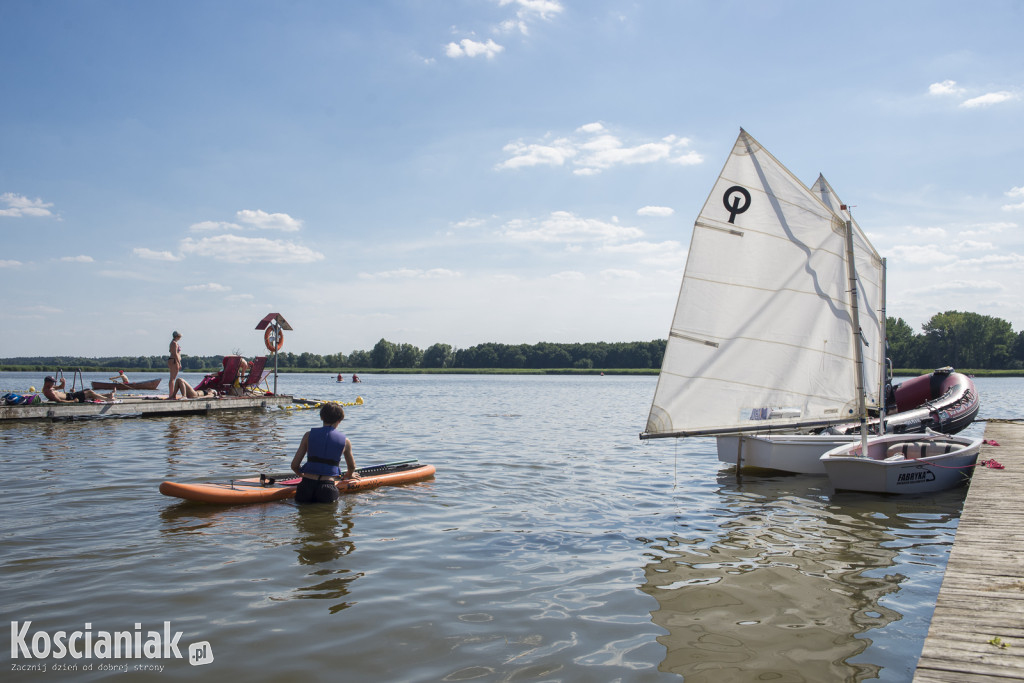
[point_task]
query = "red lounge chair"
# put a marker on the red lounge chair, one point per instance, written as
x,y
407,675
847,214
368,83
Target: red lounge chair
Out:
x,y
224,380
257,373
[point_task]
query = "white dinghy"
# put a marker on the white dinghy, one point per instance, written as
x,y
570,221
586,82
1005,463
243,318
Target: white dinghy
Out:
x,y
903,463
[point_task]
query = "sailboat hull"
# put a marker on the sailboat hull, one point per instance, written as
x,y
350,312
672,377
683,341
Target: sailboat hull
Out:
x,y
798,453
903,464
942,401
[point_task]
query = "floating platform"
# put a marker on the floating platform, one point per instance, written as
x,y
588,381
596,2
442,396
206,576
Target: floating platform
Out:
x,y
977,630
136,406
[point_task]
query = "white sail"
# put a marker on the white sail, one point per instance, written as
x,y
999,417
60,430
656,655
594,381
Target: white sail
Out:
x,y
870,270
762,334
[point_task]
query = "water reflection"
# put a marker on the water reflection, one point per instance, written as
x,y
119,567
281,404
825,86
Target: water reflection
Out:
x,y
790,585
324,538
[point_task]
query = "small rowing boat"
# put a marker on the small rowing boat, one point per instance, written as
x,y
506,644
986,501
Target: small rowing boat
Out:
x,y
903,463
146,385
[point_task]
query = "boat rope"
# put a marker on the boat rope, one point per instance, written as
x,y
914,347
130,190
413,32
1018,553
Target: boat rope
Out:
x,y
991,464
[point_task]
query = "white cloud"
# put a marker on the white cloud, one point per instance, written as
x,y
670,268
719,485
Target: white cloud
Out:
x,y
593,149
691,158
19,205
269,221
237,249
1014,192
77,259
528,12
928,233
944,88
207,226
569,276
567,227
971,245
523,155
208,287
992,261
412,274
151,255
656,211
470,223
468,47
955,286
925,255
988,99
8,263
541,9
239,297
669,253
980,229
620,274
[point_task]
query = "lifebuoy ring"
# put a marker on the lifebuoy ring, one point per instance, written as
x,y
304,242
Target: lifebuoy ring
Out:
x,y
269,344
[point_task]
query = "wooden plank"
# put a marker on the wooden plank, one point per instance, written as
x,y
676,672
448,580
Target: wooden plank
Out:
x,y
982,593
140,406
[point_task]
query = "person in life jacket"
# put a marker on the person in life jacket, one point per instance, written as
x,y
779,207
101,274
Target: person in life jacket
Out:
x,y
323,448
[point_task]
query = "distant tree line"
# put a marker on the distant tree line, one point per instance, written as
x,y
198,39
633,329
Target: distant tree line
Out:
x,y
386,354
963,340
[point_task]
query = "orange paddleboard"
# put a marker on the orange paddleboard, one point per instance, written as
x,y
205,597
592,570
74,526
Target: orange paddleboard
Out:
x,y
253,490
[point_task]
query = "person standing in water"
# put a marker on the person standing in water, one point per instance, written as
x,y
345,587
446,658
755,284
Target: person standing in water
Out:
x,y
323,447
174,362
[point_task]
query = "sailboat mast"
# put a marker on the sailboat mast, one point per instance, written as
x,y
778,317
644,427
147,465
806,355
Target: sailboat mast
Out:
x,y
858,351
884,365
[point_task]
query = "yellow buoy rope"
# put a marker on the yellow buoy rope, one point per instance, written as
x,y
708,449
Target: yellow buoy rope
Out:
x,y
308,404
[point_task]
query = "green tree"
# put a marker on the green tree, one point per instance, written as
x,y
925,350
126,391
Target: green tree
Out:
x,y
903,343
310,360
406,356
437,356
360,359
968,340
1017,358
383,354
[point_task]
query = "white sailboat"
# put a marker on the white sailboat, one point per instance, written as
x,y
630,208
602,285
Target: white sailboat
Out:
x,y
764,337
801,453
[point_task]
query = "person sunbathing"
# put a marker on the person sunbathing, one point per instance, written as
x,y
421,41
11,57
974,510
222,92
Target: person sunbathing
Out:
x,y
55,392
185,389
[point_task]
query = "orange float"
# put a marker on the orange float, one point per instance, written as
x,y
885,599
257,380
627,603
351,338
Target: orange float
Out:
x,y
271,346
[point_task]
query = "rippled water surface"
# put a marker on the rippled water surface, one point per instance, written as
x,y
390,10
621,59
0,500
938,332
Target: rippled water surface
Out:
x,y
552,544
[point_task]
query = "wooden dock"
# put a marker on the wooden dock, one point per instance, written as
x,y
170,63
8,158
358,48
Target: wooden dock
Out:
x,y
977,631
138,406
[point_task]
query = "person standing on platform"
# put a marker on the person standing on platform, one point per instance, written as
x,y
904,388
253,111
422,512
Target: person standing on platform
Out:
x,y
174,362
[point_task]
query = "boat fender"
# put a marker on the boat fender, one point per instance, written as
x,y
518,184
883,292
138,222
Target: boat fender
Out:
x,y
270,345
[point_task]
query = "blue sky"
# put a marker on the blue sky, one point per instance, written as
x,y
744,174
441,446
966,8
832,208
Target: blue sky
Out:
x,y
465,171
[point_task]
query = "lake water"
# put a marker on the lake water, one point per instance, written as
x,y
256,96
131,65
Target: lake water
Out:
x,y
552,545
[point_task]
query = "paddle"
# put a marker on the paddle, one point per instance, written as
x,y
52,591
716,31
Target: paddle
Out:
x,y
368,470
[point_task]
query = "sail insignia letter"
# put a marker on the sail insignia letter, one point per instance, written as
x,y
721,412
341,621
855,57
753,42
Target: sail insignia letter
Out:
x,y
732,202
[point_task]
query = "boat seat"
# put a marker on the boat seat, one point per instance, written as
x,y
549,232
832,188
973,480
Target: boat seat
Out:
x,y
911,450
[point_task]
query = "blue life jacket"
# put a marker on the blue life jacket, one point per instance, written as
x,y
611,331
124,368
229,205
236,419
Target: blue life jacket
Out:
x,y
324,451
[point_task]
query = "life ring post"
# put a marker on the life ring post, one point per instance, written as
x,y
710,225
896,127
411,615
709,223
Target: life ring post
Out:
x,y
273,325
